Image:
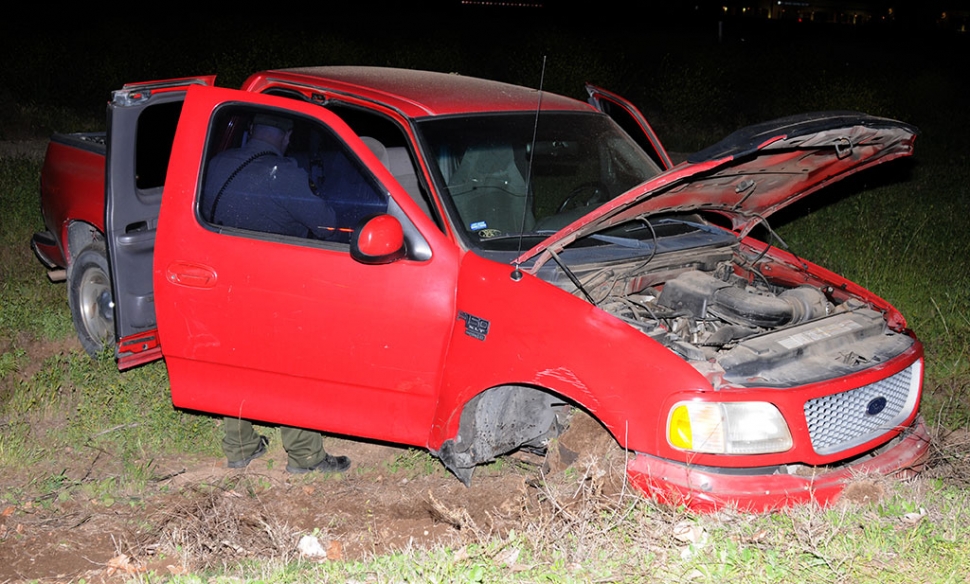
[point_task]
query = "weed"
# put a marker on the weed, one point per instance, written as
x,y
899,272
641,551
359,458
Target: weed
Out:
x,y
11,362
416,462
61,399
55,482
899,230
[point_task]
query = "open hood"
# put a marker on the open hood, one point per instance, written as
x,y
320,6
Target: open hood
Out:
x,y
750,174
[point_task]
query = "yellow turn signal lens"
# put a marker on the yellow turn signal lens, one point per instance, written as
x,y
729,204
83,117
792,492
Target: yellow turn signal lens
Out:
x,y
680,434
728,427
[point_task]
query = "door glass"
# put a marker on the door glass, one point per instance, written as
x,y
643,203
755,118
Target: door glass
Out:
x,y
277,173
153,143
632,127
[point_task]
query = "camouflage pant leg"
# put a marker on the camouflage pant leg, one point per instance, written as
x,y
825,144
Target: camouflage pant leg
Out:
x,y
304,447
240,439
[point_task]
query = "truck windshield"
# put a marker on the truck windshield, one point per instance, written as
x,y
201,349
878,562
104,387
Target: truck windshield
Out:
x,y
498,184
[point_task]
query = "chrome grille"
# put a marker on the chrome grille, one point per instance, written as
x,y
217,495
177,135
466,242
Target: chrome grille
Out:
x,y
843,420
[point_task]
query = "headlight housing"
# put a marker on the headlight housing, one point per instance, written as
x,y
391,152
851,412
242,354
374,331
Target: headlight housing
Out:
x,y
727,427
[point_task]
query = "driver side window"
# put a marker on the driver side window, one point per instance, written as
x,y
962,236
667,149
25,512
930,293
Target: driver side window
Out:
x,y
272,172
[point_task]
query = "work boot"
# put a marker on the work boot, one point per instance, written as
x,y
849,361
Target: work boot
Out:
x,y
328,464
260,450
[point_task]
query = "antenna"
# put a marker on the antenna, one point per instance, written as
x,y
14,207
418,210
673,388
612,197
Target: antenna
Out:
x,y
517,273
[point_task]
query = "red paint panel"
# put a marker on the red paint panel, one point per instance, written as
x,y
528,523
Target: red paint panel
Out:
x,y
72,189
418,93
707,490
790,402
295,331
541,336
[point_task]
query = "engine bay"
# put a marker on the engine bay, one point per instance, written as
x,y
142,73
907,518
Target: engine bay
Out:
x,y
708,300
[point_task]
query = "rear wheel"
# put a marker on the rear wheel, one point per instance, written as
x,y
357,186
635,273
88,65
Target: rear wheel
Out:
x,y
89,295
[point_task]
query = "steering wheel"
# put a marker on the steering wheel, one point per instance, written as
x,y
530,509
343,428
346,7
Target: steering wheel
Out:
x,y
588,194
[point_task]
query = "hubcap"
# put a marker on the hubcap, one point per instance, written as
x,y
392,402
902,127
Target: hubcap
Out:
x,y
95,304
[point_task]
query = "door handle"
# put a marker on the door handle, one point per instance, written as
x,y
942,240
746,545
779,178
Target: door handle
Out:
x,y
192,275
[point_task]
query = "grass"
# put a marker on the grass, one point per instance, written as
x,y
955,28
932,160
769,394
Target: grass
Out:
x,y
415,462
907,248
67,400
910,535
900,231
27,304
71,402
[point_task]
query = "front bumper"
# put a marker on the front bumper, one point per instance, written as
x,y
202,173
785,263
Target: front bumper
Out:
x,y
705,489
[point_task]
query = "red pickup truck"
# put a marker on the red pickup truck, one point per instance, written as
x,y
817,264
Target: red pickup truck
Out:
x,y
493,257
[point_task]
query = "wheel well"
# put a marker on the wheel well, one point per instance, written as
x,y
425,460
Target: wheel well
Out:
x,y
79,236
500,420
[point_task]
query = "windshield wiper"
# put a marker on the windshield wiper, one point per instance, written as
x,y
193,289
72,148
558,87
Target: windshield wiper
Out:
x,y
543,234
622,241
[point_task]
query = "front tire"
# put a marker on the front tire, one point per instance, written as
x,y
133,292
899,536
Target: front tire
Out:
x,y
90,298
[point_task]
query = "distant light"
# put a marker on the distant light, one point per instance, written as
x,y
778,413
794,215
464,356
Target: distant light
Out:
x,y
502,4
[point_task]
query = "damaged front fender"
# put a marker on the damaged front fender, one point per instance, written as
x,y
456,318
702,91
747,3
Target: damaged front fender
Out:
x,y
498,421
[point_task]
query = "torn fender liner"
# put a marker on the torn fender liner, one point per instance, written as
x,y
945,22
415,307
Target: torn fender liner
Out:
x,y
499,421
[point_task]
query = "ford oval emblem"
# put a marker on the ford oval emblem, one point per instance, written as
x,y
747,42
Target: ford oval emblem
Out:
x,y
875,406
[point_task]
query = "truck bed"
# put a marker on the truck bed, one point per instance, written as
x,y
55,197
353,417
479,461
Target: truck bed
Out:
x,y
91,141
72,190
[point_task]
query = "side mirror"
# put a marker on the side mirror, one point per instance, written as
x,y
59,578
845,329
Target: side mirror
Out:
x,y
378,239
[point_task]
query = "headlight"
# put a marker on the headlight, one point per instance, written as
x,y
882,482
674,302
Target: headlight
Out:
x,y
728,427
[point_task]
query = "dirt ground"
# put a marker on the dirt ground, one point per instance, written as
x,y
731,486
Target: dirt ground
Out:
x,y
72,519
391,499
30,148
193,514
220,515
196,514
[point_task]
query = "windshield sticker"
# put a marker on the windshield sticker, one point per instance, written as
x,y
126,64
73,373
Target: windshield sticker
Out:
x,y
487,233
478,225
475,327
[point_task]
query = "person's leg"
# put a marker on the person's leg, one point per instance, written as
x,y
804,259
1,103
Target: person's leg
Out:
x,y
240,443
305,451
304,448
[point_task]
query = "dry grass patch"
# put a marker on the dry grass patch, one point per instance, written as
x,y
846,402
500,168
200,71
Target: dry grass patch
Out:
x,y
217,525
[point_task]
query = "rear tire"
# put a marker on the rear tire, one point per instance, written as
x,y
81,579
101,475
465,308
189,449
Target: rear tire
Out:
x,y
90,298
